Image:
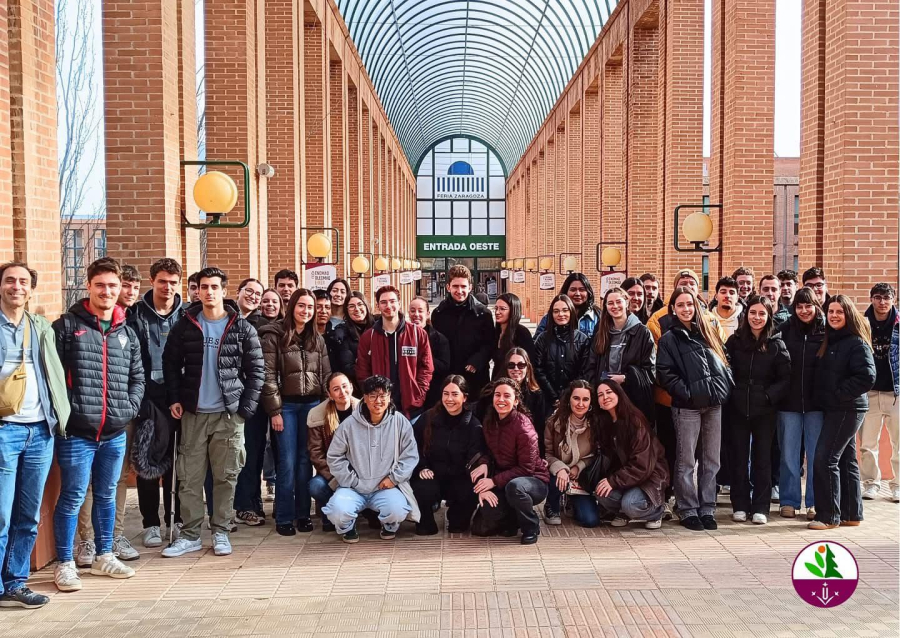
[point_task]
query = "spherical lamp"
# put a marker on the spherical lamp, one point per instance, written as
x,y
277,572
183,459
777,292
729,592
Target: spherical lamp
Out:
x,y
215,192
519,263
407,264
530,264
503,265
570,264
610,257
359,265
318,246
417,264
697,228
546,263
395,263
381,263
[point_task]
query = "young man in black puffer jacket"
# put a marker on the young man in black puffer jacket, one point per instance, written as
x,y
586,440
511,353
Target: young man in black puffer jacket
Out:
x,y
214,372
101,358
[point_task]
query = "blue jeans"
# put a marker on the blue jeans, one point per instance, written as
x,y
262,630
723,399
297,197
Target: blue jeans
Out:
x,y
83,461
796,429
247,496
320,490
294,468
633,504
26,452
346,504
696,429
585,507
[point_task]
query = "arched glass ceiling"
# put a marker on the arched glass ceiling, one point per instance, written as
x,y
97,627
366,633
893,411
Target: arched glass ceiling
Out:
x,y
491,69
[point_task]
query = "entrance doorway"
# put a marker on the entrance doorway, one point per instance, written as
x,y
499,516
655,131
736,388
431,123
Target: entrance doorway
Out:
x,y
485,275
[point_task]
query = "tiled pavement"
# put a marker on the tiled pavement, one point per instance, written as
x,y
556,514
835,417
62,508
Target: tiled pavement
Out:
x,y
574,582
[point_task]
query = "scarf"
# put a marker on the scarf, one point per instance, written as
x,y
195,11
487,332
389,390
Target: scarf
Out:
x,y
569,445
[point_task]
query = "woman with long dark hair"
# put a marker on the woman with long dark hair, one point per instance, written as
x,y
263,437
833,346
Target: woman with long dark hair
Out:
x,y
569,439
637,298
578,289
338,292
844,375
420,315
561,351
345,337
450,444
509,332
516,479
635,485
297,366
692,367
623,350
799,417
761,367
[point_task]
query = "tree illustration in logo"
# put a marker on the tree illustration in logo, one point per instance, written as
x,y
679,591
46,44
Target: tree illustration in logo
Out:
x,y
826,565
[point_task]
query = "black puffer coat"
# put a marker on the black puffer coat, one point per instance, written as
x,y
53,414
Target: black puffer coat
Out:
x,y
342,344
441,360
761,378
449,446
469,327
638,364
802,341
845,374
560,358
104,373
689,370
241,368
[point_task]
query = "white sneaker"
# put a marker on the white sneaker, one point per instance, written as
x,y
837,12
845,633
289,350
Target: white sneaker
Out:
x,y
653,524
151,537
726,490
619,521
181,547
871,492
739,517
221,544
895,495
759,519
776,494
84,553
175,533
124,550
66,577
109,565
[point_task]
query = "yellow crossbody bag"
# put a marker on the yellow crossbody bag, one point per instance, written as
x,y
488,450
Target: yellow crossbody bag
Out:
x,y
12,388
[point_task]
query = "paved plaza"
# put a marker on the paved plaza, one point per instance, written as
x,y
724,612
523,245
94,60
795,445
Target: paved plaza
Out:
x,y
574,582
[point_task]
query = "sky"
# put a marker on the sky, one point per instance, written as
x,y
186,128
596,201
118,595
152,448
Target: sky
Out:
x,y
787,86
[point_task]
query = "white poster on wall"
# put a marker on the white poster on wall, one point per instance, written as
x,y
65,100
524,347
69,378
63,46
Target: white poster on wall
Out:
x,y
611,280
318,276
380,280
518,277
417,275
504,274
406,278
548,281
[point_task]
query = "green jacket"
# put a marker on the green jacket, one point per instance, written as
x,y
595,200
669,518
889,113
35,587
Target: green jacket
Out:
x,y
56,378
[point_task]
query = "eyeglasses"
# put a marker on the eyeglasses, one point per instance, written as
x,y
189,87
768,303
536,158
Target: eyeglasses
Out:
x,y
818,286
882,298
521,365
378,396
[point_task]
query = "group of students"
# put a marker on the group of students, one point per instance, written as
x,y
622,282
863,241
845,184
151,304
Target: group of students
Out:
x,y
607,411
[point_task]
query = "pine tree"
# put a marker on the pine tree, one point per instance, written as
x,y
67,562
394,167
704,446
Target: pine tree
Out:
x,y
831,570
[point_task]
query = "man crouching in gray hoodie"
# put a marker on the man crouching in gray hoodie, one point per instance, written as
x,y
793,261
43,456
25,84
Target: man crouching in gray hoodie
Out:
x,y
372,457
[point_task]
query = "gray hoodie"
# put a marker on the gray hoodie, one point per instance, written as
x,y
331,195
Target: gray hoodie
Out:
x,y
362,454
617,341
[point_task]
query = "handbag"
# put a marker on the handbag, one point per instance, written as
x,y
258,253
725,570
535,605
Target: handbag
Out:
x,y
12,388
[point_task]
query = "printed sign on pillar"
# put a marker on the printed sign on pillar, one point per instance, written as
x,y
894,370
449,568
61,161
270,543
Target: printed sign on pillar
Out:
x,y
417,275
548,281
518,277
504,274
406,278
611,279
318,276
381,280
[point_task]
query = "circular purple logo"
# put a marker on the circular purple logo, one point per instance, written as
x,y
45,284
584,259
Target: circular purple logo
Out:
x,y
825,574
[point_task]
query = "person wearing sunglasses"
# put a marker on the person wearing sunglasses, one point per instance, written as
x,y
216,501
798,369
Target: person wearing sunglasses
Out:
x,y
519,368
372,457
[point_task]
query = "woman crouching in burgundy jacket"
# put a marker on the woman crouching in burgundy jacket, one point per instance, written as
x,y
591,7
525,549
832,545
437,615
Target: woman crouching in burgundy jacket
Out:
x,y
517,478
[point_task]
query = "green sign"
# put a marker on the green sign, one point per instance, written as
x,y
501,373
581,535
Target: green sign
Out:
x,y
460,246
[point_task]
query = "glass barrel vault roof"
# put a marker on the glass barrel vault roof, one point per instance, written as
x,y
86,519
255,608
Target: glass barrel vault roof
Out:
x,y
489,69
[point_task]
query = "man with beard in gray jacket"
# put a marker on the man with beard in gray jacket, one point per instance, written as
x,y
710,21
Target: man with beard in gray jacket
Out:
x,y
372,457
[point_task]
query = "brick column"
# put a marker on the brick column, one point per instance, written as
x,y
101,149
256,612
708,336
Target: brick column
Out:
x,y
574,227
232,127
613,224
337,114
860,201
32,136
680,96
191,259
812,133
284,111
355,233
6,215
747,134
563,190
315,80
592,188
643,59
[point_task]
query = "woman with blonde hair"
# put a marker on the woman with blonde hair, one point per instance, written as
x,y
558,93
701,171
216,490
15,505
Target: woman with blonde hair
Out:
x,y
323,421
